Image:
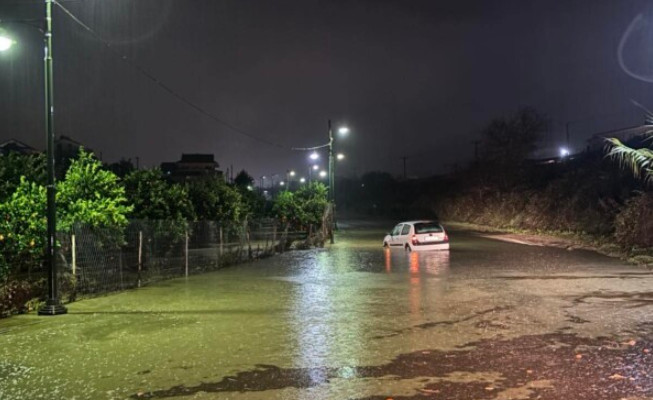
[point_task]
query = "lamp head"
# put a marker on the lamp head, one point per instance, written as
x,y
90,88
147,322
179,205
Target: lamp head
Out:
x,y
5,41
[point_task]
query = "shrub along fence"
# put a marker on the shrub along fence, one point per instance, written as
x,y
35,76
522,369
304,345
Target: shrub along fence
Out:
x,y
97,261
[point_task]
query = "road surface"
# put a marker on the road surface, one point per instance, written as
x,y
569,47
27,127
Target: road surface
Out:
x,y
486,320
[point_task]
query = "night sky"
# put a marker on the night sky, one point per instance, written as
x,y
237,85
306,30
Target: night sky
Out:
x,y
410,78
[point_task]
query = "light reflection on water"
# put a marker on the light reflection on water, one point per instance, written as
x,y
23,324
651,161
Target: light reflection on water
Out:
x,y
334,314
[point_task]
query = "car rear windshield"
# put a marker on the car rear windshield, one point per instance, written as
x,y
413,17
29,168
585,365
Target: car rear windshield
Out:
x,y
428,227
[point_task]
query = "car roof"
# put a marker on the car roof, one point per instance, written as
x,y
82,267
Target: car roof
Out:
x,y
419,221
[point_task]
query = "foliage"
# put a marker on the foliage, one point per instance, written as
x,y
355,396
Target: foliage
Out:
x,y
512,140
167,205
312,201
253,203
243,179
634,223
286,207
638,161
214,200
13,166
22,228
155,199
16,296
90,195
304,207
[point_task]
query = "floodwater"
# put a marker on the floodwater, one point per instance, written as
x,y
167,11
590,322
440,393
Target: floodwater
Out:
x,y
485,320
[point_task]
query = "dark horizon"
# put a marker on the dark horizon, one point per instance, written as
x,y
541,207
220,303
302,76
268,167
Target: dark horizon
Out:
x,y
417,80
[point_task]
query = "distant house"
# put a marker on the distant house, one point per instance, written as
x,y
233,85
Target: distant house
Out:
x,y
66,149
626,135
191,167
16,146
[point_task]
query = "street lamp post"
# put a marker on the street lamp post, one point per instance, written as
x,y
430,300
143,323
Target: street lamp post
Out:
x,y
332,185
53,305
332,175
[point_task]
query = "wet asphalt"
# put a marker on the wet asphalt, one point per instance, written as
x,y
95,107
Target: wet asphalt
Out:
x,y
485,320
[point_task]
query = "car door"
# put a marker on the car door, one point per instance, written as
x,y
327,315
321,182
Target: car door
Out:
x,y
404,236
395,235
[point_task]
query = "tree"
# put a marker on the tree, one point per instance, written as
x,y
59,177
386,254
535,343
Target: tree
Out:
x,y
312,201
13,166
287,208
156,199
243,179
22,228
214,200
509,141
90,195
304,207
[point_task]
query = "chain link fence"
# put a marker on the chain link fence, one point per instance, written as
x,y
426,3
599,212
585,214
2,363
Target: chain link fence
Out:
x,y
95,261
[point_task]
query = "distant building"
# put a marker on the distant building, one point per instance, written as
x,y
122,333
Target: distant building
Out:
x,y
66,149
192,166
625,135
16,146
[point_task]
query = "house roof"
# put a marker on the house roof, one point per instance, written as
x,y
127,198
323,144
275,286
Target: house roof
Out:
x,y
16,146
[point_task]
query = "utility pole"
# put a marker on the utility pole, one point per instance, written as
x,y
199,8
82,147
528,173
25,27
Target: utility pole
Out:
x,y
404,158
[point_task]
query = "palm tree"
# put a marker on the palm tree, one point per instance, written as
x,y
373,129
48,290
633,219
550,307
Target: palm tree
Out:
x,y
638,161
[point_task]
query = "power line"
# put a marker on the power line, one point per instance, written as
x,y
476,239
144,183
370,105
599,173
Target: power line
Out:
x,y
164,86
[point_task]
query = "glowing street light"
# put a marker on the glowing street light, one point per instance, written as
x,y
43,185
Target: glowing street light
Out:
x,y
302,180
343,130
5,41
323,174
340,156
564,152
314,156
316,167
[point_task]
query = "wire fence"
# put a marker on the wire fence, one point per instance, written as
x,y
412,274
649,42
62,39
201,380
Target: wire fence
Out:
x,y
95,261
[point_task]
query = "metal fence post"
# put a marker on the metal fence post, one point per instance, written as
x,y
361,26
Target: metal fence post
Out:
x,y
186,253
74,255
221,242
140,256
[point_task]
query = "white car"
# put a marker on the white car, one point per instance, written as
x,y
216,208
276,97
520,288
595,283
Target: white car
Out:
x,y
417,235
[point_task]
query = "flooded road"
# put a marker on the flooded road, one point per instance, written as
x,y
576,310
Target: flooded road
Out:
x,y
485,320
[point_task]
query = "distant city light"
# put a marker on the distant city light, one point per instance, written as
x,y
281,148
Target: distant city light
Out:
x,y
340,156
302,180
282,183
292,173
315,167
564,152
314,156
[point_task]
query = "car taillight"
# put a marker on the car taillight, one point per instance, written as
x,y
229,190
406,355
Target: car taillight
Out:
x,y
414,240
